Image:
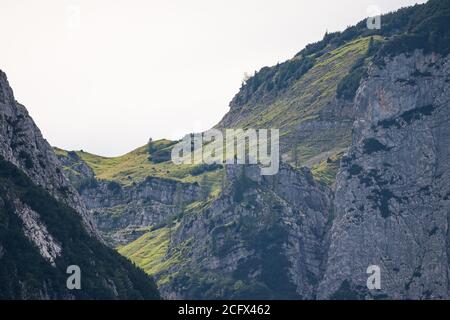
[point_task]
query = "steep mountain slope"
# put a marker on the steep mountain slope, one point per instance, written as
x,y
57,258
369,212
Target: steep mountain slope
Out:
x,y
45,227
22,144
261,238
40,238
392,198
392,193
312,121
309,97
108,183
131,194
378,100
204,244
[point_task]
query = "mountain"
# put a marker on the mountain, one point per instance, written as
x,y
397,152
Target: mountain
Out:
x,y
130,194
392,192
171,227
363,119
22,144
261,238
45,226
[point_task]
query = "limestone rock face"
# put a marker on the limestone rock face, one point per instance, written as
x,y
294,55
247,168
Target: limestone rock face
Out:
x,y
123,213
45,227
37,232
288,236
235,243
22,144
263,237
392,192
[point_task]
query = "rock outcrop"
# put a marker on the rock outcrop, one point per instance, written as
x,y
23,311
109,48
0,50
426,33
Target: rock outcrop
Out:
x,y
381,97
262,238
123,213
314,124
392,200
22,144
390,207
37,232
45,227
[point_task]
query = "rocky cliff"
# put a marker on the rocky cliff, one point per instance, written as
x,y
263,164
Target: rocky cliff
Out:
x,y
263,237
122,214
314,123
367,110
392,192
22,144
225,244
45,227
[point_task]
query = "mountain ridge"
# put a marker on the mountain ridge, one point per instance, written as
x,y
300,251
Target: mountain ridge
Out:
x,y
45,226
371,127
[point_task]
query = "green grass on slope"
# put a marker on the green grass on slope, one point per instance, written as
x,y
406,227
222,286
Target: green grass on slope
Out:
x,y
135,166
69,170
326,170
60,152
25,274
149,253
301,103
310,93
305,100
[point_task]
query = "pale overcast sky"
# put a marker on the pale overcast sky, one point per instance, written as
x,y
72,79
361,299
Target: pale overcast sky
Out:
x,y
105,75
